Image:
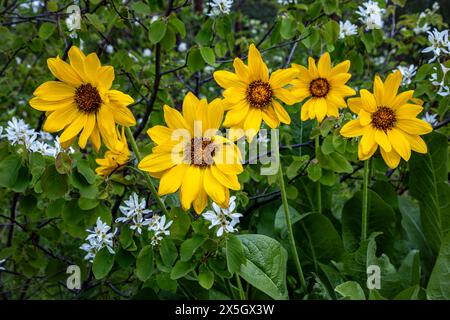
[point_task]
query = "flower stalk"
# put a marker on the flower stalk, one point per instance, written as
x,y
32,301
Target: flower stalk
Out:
x,y
365,199
147,177
319,189
287,216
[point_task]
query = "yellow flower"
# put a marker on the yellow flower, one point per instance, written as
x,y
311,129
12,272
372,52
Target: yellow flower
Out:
x,y
325,85
115,158
81,101
251,95
190,155
387,120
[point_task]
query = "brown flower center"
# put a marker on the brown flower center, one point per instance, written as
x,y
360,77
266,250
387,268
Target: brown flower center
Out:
x,y
384,118
87,98
200,152
319,87
259,94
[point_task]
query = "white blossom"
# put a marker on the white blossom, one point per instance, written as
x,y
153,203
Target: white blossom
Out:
x,y
440,44
418,29
407,73
147,52
219,7
286,2
435,6
430,118
347,29
109,49
160,229
133,207
1,264
182,47
19,132
371,15
41,147
443,89
97,239
225,219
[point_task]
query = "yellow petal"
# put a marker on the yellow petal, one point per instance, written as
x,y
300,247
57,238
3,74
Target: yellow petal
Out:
x,y
122,115
91,67
414,126
59,119
241,69
368,101
252,123
282,77
63,71
402,99
324,65
391,86
321,108
54,91
87,131
314,73
200,201
304,75
408,111
364,117
106,126
256,66
171,179
342,67
160,134
368,140
119,97
236,114
392,158
364,156
352,129
191,185
215,114
400,143
339,79
285,95
227,79
281,113
74,128
95,138
416,142
44,105
235,94
354,104
228,180
382,139
214,188
305,110
174,119
106,77
77,58
157,162
378,90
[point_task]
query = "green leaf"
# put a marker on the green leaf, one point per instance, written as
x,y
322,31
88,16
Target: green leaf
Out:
x,y
195,60
335,162
55,208
204,36
314,172
168,252
208,55
180,269
103,263
164,282
181,223
54,185
235,254
381,218
280,220
438,287
205,277
95,21
144,263
266,265
351,290
63,163
189,246
288,27
126,237
141,8
86,171
46,30
426,170
178,25
157,31
9,170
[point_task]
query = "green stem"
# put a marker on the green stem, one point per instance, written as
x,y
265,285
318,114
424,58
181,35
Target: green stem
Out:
x,y
287,216
365,199
241,290
319,189
147,177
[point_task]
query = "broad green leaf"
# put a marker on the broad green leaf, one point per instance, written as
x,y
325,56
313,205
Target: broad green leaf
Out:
x,y
195,60
351,290
86,171
54,185
144,263
189,246
164,282
438,287
208,55
95,21
9,170
46,30
180,269
178,25
266,265
157,31
205,277
103,263
168,252
235,254
335,162
288,27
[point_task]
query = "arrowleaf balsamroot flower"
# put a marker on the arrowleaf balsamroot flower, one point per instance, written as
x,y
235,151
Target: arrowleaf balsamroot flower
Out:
x,y
115,158
387,120
190,156
252,96
81,101
325,87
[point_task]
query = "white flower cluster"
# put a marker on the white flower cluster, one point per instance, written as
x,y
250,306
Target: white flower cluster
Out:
x,y
347,29
430,118
225,219
219,7
286,2
98,238
134,212
407,73
444,89
422,25
440,44
1,264
371,15
19,133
